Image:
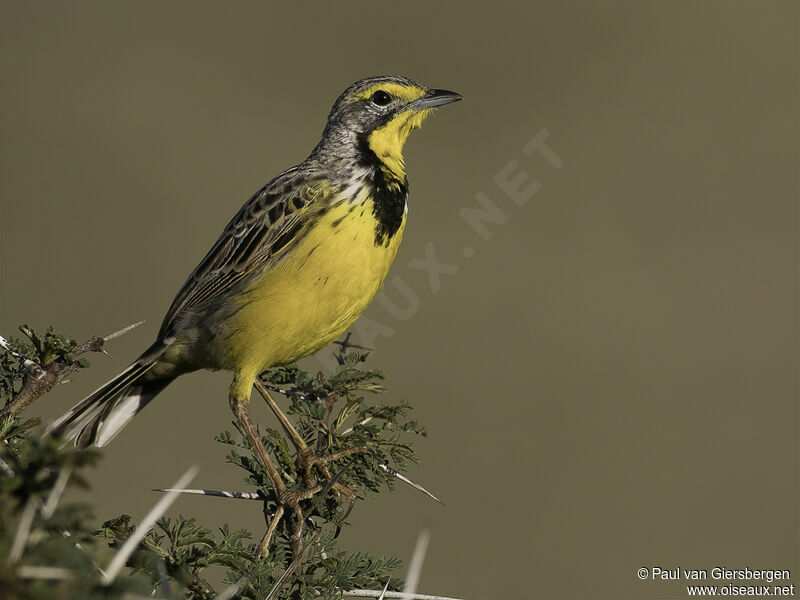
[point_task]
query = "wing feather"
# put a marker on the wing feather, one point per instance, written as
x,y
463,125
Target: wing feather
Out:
x,y
257,237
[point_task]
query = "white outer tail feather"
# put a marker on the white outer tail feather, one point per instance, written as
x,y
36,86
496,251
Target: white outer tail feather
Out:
x,y
82,407
120,416
99,418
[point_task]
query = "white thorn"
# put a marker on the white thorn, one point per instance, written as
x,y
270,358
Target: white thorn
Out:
x,y
122,331
146,524
55,493
417,559
217,493
6,468
23,532
405,479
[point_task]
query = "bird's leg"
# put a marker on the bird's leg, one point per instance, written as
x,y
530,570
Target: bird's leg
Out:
x,y
306,458
239,408
297,439
263,546
285,497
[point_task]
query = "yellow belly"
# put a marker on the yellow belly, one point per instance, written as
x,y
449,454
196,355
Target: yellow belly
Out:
x,y
314,295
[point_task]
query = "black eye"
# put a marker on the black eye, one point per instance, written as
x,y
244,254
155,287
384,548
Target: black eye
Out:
x,y
381,98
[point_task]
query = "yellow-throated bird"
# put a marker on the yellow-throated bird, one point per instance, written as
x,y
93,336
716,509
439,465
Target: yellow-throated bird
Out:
x,y
295,267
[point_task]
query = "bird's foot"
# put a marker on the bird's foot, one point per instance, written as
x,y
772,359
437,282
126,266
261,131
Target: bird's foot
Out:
x,y
316,471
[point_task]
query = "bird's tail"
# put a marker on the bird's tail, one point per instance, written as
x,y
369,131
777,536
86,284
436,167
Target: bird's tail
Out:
x,y
97,419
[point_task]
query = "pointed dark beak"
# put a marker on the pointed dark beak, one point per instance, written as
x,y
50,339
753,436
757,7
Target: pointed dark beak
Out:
x,y
433,98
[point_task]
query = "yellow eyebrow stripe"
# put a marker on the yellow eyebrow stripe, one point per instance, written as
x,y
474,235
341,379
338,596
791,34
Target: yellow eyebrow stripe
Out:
x,y
406,92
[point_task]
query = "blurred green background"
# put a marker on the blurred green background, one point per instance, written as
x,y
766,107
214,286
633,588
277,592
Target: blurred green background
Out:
x,y
609,381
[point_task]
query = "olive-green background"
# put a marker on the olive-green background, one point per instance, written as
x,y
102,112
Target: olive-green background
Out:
x,y
609,382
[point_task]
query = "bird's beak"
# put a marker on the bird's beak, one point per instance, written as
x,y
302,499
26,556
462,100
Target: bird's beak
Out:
x,y
433,98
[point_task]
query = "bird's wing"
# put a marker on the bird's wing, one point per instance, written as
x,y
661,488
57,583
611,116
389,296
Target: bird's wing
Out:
x,y
262,232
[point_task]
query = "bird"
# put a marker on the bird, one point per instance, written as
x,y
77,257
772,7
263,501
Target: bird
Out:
x,y
291,271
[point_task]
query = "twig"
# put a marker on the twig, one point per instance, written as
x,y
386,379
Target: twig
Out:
x,y
26,362
417,559
44,380
6,468
285,391
121,557
405,479
345,344
217,493
291,568
91,557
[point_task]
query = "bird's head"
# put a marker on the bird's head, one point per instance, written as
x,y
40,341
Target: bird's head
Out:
x,y
376,115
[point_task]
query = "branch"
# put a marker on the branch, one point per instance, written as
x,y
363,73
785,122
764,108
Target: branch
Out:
x,y
26,362
415,568
38,380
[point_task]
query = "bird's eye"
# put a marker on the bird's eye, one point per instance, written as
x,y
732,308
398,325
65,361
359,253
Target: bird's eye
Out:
x,y
381,98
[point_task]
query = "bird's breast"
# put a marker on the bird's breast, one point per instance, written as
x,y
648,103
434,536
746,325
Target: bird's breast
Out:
x,y
318,291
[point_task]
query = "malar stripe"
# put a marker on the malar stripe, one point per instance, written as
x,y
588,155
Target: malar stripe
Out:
x,y
388,195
